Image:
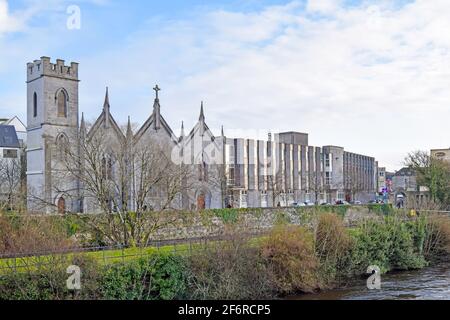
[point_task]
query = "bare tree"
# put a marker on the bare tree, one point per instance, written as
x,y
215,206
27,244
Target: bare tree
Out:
x,y
316,186
354,186
218,179
275,187
12,183
433,174
127,187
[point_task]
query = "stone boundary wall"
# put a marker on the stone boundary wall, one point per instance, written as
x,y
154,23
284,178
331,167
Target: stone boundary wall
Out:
x,y
217,222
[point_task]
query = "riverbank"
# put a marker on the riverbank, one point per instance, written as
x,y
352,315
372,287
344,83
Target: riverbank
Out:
x,y
430,283
289,260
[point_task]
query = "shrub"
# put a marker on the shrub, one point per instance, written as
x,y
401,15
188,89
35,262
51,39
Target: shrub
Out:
x,y
332,243
228,216
372,247
389,244
27,234
406,252
49,281
35,286
436,242
162,276
229,270
289,252
385,209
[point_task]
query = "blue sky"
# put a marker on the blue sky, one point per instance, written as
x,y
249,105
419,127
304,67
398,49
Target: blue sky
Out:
x,y
372,76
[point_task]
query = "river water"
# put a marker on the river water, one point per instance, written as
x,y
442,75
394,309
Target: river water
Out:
x,y
431,283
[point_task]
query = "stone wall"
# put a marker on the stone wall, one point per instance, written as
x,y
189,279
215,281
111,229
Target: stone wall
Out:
x,y
212,223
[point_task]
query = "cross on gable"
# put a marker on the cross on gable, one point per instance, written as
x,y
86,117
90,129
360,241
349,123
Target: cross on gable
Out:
x,y
157,89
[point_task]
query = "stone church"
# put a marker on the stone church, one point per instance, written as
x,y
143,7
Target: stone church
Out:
x,y
224,172
54,124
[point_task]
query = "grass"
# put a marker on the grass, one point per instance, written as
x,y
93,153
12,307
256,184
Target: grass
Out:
x,y
104,257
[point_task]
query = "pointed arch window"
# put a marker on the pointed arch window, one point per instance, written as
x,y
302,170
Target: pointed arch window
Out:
x,y
205,171
61,205
35,111
203,168
61,102
107,168
62,146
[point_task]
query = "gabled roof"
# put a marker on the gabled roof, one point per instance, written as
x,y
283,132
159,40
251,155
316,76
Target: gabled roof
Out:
x,y
148,125
406,171
10,121
17,123
202,128
106,119
112,122
199,127
8,137
157,121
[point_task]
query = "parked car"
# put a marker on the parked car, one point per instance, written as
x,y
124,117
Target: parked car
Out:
x,y
324,203
357,202
342,203
308,203
298,204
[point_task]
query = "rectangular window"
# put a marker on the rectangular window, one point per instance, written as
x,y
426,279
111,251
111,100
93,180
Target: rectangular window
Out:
x,y
231,175
327,178
10,153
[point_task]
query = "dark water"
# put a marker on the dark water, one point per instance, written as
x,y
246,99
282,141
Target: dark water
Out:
x,y
432,283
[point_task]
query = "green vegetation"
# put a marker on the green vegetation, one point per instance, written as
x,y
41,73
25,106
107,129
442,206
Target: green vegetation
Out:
x,y
106,257
391,244
289,260
159,277
385,209
227,215
432,173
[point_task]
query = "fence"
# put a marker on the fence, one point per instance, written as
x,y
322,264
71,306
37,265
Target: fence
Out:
x,y
31,261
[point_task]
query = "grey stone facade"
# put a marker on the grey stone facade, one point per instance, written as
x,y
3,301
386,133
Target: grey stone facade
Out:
x,y
226,171
45,82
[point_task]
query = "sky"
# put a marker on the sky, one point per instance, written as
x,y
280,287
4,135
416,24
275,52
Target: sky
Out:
x,y
371,76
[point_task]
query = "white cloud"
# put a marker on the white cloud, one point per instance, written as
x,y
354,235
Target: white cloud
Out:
x,y
8,23
374,79
323,6
18,21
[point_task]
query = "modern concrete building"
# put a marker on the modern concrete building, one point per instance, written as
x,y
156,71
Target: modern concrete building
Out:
x,y
441,154
360,181
288,170
280,171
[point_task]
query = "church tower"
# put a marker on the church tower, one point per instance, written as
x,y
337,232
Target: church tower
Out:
x,y
52,126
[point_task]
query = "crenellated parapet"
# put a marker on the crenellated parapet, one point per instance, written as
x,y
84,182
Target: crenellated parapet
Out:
x,y
44,67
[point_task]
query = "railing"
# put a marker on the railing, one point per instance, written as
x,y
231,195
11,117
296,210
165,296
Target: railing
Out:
x,y
109,254
24,262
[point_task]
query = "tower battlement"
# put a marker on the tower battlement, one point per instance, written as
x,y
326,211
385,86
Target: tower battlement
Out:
x,y
44,67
